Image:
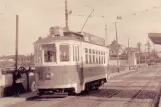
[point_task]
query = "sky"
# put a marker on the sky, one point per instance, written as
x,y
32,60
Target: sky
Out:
x,y
139,17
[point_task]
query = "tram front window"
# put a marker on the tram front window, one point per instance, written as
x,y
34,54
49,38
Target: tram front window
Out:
x,y
49,54
64,53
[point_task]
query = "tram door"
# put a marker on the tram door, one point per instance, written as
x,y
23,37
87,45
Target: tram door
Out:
x,y
78,59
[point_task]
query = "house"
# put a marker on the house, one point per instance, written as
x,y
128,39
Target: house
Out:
x,y
113,49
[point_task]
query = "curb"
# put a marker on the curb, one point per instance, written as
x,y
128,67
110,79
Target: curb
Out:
x,y
123,73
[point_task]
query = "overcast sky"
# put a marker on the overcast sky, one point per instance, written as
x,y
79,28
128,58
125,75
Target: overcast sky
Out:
x,y
37,16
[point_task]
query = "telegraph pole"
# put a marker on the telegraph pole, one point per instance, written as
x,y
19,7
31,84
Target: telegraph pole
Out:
x,y
116,32
66,15
128,53
117,45
16,57
106,38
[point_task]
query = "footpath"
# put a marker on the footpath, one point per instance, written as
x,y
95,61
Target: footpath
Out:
x,y
6,101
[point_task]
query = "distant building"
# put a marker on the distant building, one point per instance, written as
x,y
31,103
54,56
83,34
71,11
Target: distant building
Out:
x,y
113,48
9,61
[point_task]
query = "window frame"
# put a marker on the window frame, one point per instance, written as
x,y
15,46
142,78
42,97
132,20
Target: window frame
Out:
x,y
69,52
43,52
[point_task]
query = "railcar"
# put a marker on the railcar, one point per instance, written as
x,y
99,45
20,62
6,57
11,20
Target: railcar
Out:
x,y
67,61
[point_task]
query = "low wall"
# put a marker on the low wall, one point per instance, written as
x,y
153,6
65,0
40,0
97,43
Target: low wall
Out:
x,y
121,62
6,83
113,69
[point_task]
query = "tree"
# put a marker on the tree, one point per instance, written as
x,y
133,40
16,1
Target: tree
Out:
x,y
139,49
139,46
148,46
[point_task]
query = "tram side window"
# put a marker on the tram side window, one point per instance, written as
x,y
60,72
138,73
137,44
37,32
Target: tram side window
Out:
x,y
64,53
77,53
90,57
99,57
73,53
96,56
104,60
86,55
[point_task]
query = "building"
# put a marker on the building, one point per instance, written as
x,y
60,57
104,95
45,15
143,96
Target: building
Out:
x,y
113,48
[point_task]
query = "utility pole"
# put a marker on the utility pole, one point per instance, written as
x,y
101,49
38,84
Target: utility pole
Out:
x,y
139,48
116,31
148,47
128,54
117,46
16,56
66,15
106,38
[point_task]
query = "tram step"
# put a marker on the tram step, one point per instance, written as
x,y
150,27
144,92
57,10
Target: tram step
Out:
x,y
56,94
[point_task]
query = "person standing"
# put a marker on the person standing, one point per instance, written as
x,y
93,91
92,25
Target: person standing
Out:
x,y
17,83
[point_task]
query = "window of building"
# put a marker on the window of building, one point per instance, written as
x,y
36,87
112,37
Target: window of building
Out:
x,y
64,53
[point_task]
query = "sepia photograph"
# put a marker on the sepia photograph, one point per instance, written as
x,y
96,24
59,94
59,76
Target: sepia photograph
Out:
x,y
80,53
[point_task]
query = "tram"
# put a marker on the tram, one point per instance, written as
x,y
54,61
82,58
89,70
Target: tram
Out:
x,y
67,61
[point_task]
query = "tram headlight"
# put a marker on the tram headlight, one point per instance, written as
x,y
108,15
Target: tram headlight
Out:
x,y
48,75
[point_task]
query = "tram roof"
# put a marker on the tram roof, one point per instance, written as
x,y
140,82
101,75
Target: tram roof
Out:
x,y
155,38
72,36
49,39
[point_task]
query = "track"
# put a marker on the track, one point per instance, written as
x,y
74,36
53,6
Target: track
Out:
x,y
140,94
123,93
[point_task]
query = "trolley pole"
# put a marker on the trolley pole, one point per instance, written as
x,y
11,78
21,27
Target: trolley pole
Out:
x,y
86,20
16,56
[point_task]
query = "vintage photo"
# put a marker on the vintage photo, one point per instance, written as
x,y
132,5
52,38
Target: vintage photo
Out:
x,y
80,53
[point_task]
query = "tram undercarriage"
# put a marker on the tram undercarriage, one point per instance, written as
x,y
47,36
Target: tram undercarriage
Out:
x,y
93,85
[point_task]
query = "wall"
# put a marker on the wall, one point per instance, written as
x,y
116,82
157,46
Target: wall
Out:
x,y
132,59
121,62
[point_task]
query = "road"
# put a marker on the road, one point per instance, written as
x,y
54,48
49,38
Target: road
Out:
x,y
136,89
